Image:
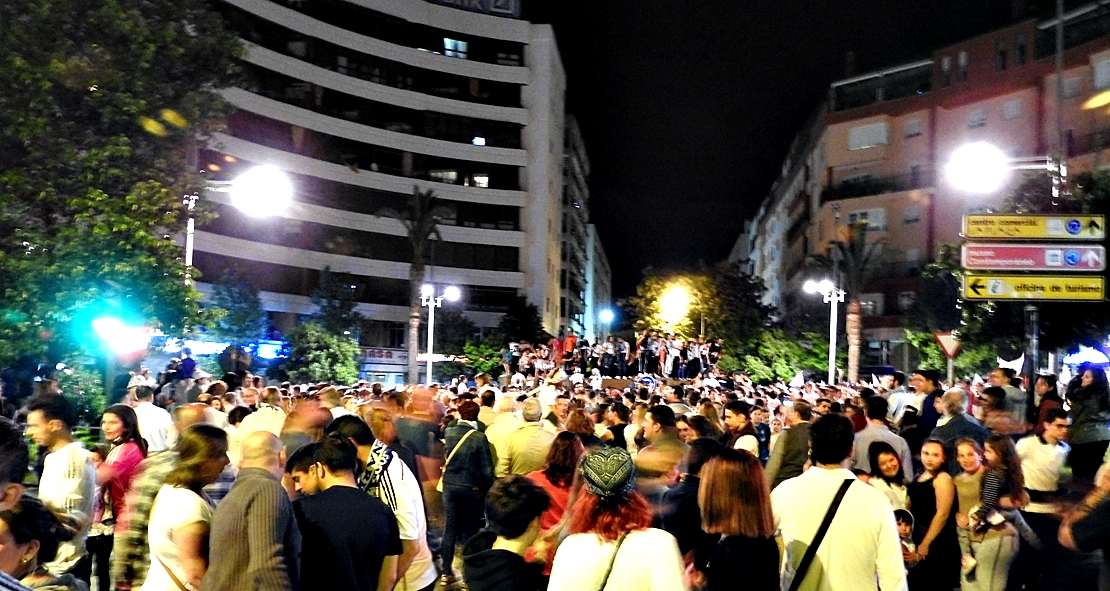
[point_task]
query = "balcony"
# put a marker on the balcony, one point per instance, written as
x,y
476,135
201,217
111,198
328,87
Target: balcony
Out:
x,y
1081,29
903,81
869,185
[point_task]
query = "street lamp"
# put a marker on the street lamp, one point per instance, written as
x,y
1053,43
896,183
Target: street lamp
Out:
x,y
430,301
832,296
675,305
261,191
606,317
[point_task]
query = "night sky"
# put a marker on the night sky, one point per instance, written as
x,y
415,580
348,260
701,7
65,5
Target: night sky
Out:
x,y
687,108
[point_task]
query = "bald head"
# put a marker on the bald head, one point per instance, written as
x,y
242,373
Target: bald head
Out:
x,y
187,415
262,449
505,404
955,402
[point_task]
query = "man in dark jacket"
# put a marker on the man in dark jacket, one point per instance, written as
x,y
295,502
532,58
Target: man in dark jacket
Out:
x,y
956,425
792,448
513,507
467,475
681,514
927,382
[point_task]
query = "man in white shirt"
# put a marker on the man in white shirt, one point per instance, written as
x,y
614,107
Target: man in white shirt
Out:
x,y
268,417
1042,462
154,422
68,481
861,545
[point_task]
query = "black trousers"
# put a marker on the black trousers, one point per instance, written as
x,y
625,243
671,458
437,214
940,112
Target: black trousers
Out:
x,y
100,553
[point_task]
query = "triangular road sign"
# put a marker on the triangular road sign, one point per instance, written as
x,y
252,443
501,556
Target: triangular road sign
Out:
x,y
948,343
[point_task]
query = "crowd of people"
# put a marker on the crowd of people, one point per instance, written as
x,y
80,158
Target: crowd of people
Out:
x,y
712,483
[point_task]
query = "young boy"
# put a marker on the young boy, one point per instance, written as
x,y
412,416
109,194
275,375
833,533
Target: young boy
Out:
x,y
904,519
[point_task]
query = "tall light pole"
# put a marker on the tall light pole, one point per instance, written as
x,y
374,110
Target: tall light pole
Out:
x,y
606,317
429,300
259,192
832,296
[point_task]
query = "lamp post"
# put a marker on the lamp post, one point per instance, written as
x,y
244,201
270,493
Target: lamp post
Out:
x,y
259,192
606,317
429,300
832,296
675,305
982,168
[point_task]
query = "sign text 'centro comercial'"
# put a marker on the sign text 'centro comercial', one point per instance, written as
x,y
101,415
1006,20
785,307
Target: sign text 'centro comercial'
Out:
x,y
991,286
1040,227
1033,257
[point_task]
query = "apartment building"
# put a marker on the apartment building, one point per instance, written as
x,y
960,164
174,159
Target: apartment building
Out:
x,y
876,149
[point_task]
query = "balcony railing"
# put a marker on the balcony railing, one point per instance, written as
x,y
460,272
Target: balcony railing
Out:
x,y
865,186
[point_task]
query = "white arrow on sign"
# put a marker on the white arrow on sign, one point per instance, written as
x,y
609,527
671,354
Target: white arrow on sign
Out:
x,y
1092,258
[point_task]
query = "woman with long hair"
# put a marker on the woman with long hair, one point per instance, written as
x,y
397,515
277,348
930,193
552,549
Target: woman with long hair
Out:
x,y
181,514
735,502
120,427
887,475
1046,396
557,478
708,409
29,536
993,539
580,423
1089,414
932,500
611,539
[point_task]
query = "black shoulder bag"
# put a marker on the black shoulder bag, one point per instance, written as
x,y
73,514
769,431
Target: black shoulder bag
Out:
x,y
811,552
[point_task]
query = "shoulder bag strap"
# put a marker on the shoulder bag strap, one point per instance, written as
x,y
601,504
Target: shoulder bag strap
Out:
x,y
811,552
612,561
457,446
176,581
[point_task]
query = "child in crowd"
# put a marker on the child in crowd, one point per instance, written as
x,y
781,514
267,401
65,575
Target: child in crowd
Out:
x,y
904,519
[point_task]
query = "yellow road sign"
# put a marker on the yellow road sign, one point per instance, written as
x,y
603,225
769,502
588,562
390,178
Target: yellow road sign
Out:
x,y
1040,227
1087,288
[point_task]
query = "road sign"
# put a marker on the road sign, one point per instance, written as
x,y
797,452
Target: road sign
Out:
x,y
1085,288
1040,227
948,343
1034,257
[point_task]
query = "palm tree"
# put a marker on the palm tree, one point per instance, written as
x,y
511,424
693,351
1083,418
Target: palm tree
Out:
x,y
855,260
420,218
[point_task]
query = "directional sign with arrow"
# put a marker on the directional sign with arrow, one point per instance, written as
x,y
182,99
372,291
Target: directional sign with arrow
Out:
x,y
1017,256
1084,288
1042,227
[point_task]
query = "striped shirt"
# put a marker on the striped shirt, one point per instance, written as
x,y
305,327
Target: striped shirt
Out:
x,y
8,583
131,552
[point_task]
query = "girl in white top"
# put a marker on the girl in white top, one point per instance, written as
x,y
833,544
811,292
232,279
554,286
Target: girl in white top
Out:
x,y
180,517
886,474
624,553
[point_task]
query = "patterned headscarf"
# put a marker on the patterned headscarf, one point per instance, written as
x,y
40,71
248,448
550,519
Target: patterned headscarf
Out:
x,y
609,473
374,479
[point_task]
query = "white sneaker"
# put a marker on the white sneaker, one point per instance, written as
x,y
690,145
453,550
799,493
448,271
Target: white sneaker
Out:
x,y
967,564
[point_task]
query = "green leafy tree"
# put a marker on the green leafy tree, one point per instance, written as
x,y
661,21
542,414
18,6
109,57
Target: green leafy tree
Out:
x,y
335,299
522,322
485,355
318,354
244,320
102,104
453,331
855,260
420,217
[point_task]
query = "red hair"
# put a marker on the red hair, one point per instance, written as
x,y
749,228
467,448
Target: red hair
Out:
x,y
609,519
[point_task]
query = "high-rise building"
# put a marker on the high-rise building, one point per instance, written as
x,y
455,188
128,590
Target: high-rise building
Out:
x,y
363,102
874,151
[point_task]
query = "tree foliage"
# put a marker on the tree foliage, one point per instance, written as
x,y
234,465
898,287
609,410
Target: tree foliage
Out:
x,y
335,300
101,105
243,319
522,322
318,354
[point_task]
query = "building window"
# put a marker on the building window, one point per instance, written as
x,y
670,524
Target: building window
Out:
x,y
397,334
906,300
1102,74
444,176
480,180
945,70
911,214
1012,109
867,136
871,304
961,62
977,117
454,48
1072,87
1019,50
913,128
1000,56
874,218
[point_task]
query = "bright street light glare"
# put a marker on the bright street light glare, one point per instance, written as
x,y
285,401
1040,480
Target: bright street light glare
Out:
x,y
825,286
452,293
978,167
674,304
605,316
262,191
119,337
810,287
427,290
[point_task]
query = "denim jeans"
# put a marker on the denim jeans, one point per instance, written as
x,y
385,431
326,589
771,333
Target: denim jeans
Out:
x,y
464,509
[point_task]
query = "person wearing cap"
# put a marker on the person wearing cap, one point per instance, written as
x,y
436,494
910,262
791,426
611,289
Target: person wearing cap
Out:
x,y
611,545
527,447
